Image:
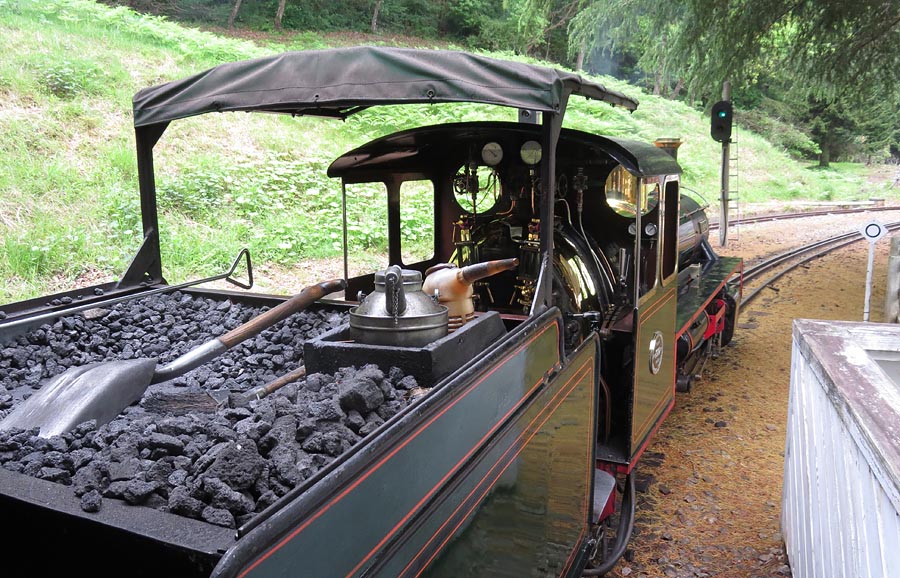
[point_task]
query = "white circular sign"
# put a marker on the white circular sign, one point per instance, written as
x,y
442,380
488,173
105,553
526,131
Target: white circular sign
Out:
x,y
873,230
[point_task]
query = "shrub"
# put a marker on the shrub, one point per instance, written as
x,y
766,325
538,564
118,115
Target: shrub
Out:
x,y
782,134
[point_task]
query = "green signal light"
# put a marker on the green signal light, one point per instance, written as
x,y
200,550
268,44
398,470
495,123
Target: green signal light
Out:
x,y
723,114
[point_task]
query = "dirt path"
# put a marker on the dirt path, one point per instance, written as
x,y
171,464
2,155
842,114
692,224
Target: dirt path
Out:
x,y
710,503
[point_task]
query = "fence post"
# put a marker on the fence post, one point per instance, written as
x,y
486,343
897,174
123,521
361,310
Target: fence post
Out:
x,y
892,294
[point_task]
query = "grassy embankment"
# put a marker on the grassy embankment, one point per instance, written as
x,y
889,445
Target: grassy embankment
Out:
x,y
69,211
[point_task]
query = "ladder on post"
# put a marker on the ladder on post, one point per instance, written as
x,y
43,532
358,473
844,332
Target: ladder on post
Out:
x,y
734,197
730,207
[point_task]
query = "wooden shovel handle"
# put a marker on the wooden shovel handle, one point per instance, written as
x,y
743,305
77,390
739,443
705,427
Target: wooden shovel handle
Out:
x,y
285,379
281,311
276,384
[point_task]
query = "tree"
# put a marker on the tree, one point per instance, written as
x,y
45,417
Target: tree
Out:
x,y
375,12
234,12
638,30
833,47
840,59
534,27
837,60
279,14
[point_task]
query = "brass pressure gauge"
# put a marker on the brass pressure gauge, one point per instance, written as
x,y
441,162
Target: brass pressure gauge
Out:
x,y
531,152
492,154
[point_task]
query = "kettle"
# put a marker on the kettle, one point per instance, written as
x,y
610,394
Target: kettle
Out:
x,y
398,312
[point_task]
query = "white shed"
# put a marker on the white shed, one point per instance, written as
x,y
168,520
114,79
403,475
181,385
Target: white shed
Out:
x,y
841,499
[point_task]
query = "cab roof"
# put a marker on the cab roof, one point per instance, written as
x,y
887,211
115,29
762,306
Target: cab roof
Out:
x,y
421,148
339,82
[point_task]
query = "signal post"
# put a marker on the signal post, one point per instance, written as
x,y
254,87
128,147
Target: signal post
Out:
x,y
720,129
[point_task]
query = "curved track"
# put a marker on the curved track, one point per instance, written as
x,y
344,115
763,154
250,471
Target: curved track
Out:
x,y
802,214
797,257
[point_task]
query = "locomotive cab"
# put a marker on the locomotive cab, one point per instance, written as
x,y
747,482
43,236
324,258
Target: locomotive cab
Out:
x,y
628,257
624,249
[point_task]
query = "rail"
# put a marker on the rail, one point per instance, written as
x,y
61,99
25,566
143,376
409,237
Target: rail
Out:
x,y
806,253
802,214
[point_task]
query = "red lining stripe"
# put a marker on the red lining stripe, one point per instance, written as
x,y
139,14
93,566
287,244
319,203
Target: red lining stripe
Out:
x,y
662,300
450,473
671,396
393,452
586,506
573,553
579,373
630,466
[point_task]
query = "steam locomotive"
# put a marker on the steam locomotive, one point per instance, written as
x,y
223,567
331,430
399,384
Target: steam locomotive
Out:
x,y
568,292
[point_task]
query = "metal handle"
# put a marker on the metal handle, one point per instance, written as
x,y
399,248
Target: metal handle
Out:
x,y
211,349
276,384
395,297
37,320
249,284
281,311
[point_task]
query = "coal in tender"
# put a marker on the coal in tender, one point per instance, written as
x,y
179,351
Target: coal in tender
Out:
x,y
222,466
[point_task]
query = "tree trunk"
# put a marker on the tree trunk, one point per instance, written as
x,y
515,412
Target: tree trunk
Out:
x,y
825,155
657,83
375,16
679,86
234,12
442,19
279,14
825,145
579,60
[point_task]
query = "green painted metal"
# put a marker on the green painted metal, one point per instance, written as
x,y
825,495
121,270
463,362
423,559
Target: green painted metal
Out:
x,y
694,297
386,506
653,392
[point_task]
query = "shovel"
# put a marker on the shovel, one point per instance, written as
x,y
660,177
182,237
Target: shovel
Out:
x,y
167,403
100,391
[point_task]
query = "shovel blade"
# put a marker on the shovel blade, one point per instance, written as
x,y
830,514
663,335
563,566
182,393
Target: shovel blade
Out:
x,y
97,391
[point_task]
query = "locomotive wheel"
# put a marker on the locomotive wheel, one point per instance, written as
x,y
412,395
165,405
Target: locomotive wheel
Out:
x,y
684,383
730,318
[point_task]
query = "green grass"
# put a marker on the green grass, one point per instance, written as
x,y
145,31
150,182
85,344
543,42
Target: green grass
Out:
x,y
69,207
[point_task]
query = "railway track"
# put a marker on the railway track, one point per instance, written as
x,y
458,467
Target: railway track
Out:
x,y
790,260
802,214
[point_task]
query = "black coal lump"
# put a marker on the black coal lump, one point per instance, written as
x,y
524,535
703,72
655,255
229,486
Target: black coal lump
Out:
x,y
221,495
91,502
218,516
181,502
237,463
221,467
361,394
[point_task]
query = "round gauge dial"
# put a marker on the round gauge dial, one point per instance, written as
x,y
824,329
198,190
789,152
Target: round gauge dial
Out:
x,y
492,154
531,152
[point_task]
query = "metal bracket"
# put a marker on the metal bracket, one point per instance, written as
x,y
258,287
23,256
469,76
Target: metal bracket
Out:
x,y
246,254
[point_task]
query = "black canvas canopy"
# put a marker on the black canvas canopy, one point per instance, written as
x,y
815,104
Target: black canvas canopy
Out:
x,y
341,81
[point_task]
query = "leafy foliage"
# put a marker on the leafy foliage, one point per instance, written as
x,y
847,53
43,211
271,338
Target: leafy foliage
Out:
x,y
67,160
291,205
831,61
782,134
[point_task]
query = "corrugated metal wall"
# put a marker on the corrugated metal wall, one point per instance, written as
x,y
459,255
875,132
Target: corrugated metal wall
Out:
x,y
838,518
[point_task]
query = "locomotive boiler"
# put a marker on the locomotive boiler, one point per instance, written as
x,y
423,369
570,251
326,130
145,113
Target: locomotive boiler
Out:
x,y
476,409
